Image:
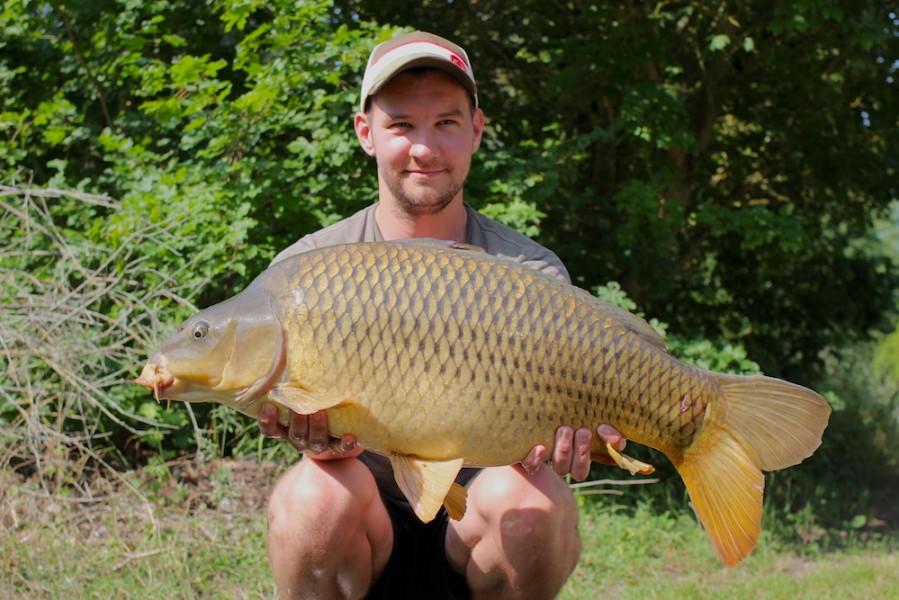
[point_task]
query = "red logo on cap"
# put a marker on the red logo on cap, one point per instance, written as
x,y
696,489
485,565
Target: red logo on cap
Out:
x,y
457,60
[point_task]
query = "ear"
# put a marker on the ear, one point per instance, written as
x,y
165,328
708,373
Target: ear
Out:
x,y
363,132
478,126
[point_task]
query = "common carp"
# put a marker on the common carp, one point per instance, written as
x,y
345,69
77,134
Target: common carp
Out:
x,y
424,350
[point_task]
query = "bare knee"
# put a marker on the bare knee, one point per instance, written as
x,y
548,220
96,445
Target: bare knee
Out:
x,y
512,516
318,492
329,534
540,507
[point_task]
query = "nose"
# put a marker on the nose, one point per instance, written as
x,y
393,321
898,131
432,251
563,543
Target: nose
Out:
x,y
423,145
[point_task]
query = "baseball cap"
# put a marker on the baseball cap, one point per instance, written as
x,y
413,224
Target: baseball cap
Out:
x,y
416,49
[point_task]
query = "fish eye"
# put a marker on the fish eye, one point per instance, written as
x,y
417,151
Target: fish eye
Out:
x,y
200,330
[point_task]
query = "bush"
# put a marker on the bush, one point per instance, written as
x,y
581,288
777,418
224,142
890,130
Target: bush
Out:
x,y
82,306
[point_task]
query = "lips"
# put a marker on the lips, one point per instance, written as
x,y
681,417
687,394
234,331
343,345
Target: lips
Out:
x,y
425,174
156,377
425,170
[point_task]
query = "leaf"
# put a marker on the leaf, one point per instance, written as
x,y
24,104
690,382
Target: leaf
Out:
x,y
719,42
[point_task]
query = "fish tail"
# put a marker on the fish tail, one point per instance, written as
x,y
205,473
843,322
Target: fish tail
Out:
x,y
758,424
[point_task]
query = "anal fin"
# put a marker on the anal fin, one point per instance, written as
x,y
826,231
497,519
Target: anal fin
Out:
x,y
456,502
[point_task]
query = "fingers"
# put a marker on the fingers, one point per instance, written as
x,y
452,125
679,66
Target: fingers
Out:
x,y
571,453
562,450
580,460
268,422
311,430
608,435
307,433
534,459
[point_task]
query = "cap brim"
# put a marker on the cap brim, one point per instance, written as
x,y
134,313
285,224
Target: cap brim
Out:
x,y
391,71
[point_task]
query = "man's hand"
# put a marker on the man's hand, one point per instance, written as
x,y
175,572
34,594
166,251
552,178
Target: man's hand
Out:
x,y
308,434
571,451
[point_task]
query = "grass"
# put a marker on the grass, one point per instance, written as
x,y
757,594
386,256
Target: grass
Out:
x,y
182,531
157,535
639,553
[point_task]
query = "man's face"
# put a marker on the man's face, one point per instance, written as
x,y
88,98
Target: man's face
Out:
x,y
422,132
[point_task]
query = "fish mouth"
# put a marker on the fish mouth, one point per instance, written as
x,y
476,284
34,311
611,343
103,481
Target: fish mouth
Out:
x,y
156,377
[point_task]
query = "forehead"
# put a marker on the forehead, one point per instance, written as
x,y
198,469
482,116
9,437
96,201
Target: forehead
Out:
x,y
423,88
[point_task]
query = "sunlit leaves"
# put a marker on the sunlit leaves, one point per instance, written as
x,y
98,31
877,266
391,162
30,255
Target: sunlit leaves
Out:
x,y
702,154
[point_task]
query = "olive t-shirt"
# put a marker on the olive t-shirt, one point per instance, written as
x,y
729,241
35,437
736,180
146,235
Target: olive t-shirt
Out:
x,y
482,231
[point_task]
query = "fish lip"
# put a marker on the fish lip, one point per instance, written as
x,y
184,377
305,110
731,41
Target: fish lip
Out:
x,y
156,377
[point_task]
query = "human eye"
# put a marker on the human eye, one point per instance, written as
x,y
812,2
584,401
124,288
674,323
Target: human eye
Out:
x,y
450,118
400,126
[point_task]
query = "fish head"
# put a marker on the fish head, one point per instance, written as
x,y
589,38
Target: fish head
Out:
x,y
231,353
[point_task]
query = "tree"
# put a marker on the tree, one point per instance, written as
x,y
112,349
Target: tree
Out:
x,y
721,160
724,161
215,132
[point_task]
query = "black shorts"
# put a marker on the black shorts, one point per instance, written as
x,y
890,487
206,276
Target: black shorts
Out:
x,y
417,568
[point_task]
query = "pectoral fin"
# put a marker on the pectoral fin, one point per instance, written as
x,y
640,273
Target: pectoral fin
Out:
x,y
629,463
427,485
302,400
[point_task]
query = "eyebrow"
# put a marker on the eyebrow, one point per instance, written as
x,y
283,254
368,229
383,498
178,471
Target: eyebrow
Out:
x,y
455,112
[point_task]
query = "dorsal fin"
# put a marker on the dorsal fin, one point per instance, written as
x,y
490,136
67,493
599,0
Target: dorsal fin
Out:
x,y
640,327
634,323
442,244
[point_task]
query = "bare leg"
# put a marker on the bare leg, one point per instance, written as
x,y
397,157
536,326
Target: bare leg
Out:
x,y
519,538
329,534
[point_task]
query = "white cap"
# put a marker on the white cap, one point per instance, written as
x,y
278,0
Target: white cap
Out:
x,y
417,49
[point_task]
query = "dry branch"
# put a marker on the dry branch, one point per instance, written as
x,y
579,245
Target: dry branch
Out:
x,y
76,320
584,488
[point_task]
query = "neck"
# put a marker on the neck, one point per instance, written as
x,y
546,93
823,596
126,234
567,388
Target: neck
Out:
x,y
449,224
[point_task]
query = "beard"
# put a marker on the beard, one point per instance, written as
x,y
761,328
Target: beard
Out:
x,y
423,200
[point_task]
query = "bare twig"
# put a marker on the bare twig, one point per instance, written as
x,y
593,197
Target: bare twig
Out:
x,y
598,482
130,558
98,199
582,488
76,318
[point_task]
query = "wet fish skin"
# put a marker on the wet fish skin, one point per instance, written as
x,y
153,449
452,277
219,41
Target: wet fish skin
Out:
x,y
426,351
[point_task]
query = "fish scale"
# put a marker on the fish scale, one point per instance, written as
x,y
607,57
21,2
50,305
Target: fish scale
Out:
x,y
470,342
438,355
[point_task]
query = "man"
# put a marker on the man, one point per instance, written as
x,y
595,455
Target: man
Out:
x,y
338,525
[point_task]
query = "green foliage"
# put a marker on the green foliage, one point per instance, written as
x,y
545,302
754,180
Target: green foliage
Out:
x,y
516,213
846,492
82,306
691,152
720,160
217,132
886,359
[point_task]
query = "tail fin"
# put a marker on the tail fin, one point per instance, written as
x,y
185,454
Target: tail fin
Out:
x,y
759,423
